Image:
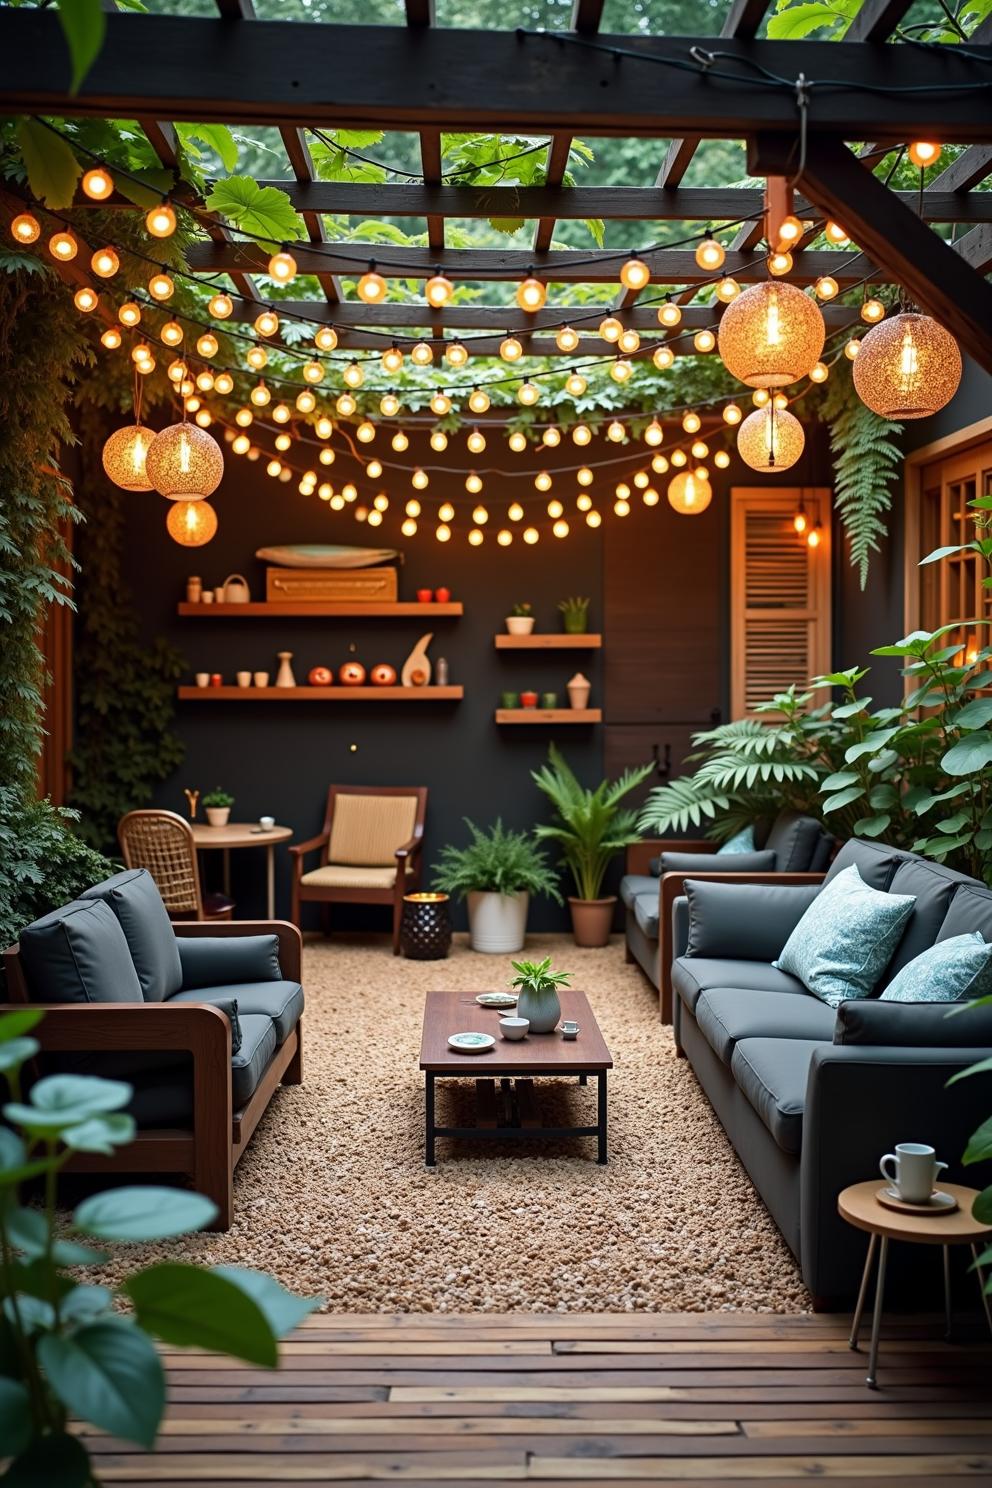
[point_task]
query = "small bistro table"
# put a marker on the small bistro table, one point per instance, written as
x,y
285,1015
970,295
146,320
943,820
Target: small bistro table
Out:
x,y
859,1206
244,834
510,1113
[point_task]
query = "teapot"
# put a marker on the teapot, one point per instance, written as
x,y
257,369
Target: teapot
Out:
x,y
236,589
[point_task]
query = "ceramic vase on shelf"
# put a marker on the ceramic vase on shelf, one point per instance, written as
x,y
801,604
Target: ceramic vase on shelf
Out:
x,y
541,1009
578,691
284,677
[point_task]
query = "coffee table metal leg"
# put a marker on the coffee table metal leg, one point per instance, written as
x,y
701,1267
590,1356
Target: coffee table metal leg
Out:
x,y
429,1122
863,1292
948,1326
981,1286
876,1322
601,1117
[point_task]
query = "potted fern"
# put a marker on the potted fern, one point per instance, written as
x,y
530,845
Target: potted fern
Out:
x,y
496,873
590,828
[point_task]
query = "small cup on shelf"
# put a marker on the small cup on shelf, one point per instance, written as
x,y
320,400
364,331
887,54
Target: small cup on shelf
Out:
x,y
509,700
549,700
243,679
261,679
528,700
203,679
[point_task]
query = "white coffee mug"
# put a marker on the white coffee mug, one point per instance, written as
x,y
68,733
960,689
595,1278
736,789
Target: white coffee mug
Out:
x,y
266,823
915,1171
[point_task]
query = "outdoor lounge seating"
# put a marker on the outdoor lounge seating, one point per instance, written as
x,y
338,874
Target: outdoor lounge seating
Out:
x,y
795,850
811,1096
205,1025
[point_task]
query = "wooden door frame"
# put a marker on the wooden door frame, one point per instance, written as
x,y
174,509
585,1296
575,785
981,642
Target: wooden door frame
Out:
x,y
946,448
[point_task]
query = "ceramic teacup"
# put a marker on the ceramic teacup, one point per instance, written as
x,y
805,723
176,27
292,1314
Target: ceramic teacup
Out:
x,y
914,1171
266,823
243,679
261,679
509,699
549,700
514,1028
203,679
569,1029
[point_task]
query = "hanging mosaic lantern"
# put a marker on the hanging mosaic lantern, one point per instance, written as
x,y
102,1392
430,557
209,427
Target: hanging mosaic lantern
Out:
x,y
689,493
191,523
770,438
185,463
770,335
124,457
907,367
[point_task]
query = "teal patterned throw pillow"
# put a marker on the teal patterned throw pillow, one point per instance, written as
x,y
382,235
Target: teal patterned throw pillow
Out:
x,y
950,971
741,842
845,939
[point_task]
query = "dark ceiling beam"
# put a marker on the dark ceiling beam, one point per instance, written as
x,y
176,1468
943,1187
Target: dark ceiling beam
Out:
x,y
910,253
287,72
969,170
566,266
876,20
586,18
976,248
558,152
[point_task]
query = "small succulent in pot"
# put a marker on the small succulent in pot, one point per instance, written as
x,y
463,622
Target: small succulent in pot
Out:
x,y
521,621
217,804
538,988
574,615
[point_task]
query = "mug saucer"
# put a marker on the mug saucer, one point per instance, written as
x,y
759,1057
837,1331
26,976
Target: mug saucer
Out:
x,y
938,1203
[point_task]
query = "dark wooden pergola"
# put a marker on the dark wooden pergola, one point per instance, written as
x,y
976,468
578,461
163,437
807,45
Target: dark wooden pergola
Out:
x,y
798,106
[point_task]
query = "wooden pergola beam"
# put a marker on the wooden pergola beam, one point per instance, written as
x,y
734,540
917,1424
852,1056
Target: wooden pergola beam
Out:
x,y
960,177
936,276
304,73
298,154
876,20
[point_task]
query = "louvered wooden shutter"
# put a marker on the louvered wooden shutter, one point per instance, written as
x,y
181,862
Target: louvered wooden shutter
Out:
x,y
779,593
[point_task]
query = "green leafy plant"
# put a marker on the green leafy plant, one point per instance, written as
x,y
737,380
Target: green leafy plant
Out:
x,y
538,977
496,861
218,797
524,608
575,615
265,212
45,864
590,827
75,1349
867,460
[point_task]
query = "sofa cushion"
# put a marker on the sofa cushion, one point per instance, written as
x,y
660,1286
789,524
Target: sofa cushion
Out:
x,y
773,1074
221,960
633,884
738,862
820,860
970,909
692,975
646,914
229,1006
874,861
258,1044
135,900
933,887
794,840
79,953
280,1001
741,842
953,969
916,1025
727,1014
845,940
746,921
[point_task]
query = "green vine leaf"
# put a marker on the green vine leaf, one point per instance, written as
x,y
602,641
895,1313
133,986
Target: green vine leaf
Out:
x,y
263,211
84,25
52,168
216,137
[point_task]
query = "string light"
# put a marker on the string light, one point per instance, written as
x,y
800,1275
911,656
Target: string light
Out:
x,y
528,393
86,299
443,533
650,496
476,537
616,432
813,538
583,501
399,441
160,222
440,404
621,508
721,459
129,314
819,372
610,329
372,287
852,348
305,401
420,480
566,339
584,476
373,469
704,340
389,405
691,422
326,339
346,405
97,184
560,528
208,345
669,314
629,341
760,397
479,515
422,354
710,254
473,483
221,306
172,333
790,230
634,274
439,440
267,323
313,372
728,289
924,153
594,518
872,311
581,434
438,290
530,535
826,287
510,349
700,449
25,228
244,418
282,441
531,294
353,376
260,395
543,481
63,246
504,537
517,442
663,357
478,400
408,527
621,370
456,354
555,508
834,233
654,434
779,264
241,444
551,436
575,384
392,359
324,427
365,431
257,357
515,512
659,464
679,458
105,263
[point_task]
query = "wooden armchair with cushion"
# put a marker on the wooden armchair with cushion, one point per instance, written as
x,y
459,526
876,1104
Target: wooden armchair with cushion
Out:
x,y
370,850
163,843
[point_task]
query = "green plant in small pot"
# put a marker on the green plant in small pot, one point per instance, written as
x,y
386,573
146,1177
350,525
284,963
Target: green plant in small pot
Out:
x,y
520,620
574,615
217,804
538,987
590,829
496,873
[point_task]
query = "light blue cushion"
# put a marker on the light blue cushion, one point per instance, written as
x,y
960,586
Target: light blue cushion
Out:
x,y
951,970
846,938
741,842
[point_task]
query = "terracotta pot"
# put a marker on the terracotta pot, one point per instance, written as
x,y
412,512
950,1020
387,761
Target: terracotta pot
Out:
x,y
442,596
578,691
592,920
352,674
218,816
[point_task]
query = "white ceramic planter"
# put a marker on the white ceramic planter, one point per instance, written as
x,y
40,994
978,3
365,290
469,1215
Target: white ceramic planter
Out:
x,y
520,624
218,816
497,922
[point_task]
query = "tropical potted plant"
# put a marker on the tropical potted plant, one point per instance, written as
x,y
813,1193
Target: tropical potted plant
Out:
x,y
521,621
538,993
590,829
574,615
217,804
496,873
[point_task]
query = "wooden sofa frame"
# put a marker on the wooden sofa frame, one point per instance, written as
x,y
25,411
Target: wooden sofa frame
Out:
x,y
208,1152
671,886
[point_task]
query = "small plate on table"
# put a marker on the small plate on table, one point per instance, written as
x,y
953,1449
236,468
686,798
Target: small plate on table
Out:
x,y
497,999
938,1203
471,1043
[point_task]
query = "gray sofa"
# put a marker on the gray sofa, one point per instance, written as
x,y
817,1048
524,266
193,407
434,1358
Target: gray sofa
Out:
x,y
811,1097
795,846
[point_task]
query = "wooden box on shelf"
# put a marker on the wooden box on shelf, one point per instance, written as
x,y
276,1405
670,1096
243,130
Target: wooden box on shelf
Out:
x,y
314,584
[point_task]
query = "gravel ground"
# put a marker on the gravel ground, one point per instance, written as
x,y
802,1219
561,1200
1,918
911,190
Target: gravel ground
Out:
x,y
333,1196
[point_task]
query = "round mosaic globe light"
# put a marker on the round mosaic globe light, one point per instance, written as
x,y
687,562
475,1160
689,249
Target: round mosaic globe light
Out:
x,y
191,523
770,335
908,367
689,493
124,457
770,438
185,463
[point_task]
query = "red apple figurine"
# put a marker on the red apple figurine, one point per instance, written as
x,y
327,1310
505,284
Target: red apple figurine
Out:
x,y
442,596
352,674
424,596
382,675
320,676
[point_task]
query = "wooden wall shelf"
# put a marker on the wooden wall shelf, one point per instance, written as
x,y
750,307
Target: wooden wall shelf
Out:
x,y
324,610
553,641
549,715
338,694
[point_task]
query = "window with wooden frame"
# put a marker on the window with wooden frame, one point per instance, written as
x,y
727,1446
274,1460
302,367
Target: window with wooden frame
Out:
x,y
950,591
779,591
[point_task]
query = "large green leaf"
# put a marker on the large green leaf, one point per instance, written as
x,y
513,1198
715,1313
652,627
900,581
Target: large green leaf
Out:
x,y
84,25
15,1417
974,715
982,1067
16,1051
843,798
52,168
150,1213
982,1207
979,1147
101,1133
108,1373
192,1308
52,1461
799,21
85,1303
264,212
968,755
61,1101
216,137
282,1309
22,1020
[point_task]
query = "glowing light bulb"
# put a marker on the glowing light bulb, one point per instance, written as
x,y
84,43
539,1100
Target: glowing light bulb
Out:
x,y
654,434
567,339
172,333
439,440
63,246
97,183
531,294
560,528
438,290
704,340
515,512
306,402
129,314
346,405
283,441
208,345
373,469
480,516
313,372
375,518
442,532
326,338
365,431
634,274
324,427
826,287
530,535
581,434
551,436
353,376
221,306
420,480
872,311
616,432
256,357
504,537
679,458
834,233
543,481
86,299
267,323
819,373
456,354
273,468
760,397
422,354
241,444
413,508
728,289
659,464
584,476
517,442
476,442
25,229
610,329
691,422
700,449
779,264
621,508
400,442
510,349
105,263
813,538
663,357
528,393
205,382
473,483
629,342
621,370
790,230
710,254
372,288
852,348
408,527
924,152
349,492
650,496
800,521
594,518
622,491
575,384
160,222
446,512
260,395
392,359
583,501
440,404
244,417
669,314
478,400
721,459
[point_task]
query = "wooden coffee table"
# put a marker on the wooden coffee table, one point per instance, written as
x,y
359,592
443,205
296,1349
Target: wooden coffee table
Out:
x,y
505,1102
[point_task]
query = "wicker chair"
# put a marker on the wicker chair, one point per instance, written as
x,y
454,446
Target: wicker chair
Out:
x,y
163,843
369,850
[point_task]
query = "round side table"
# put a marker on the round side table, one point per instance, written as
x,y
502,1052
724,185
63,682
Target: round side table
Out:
x,y
859,1206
